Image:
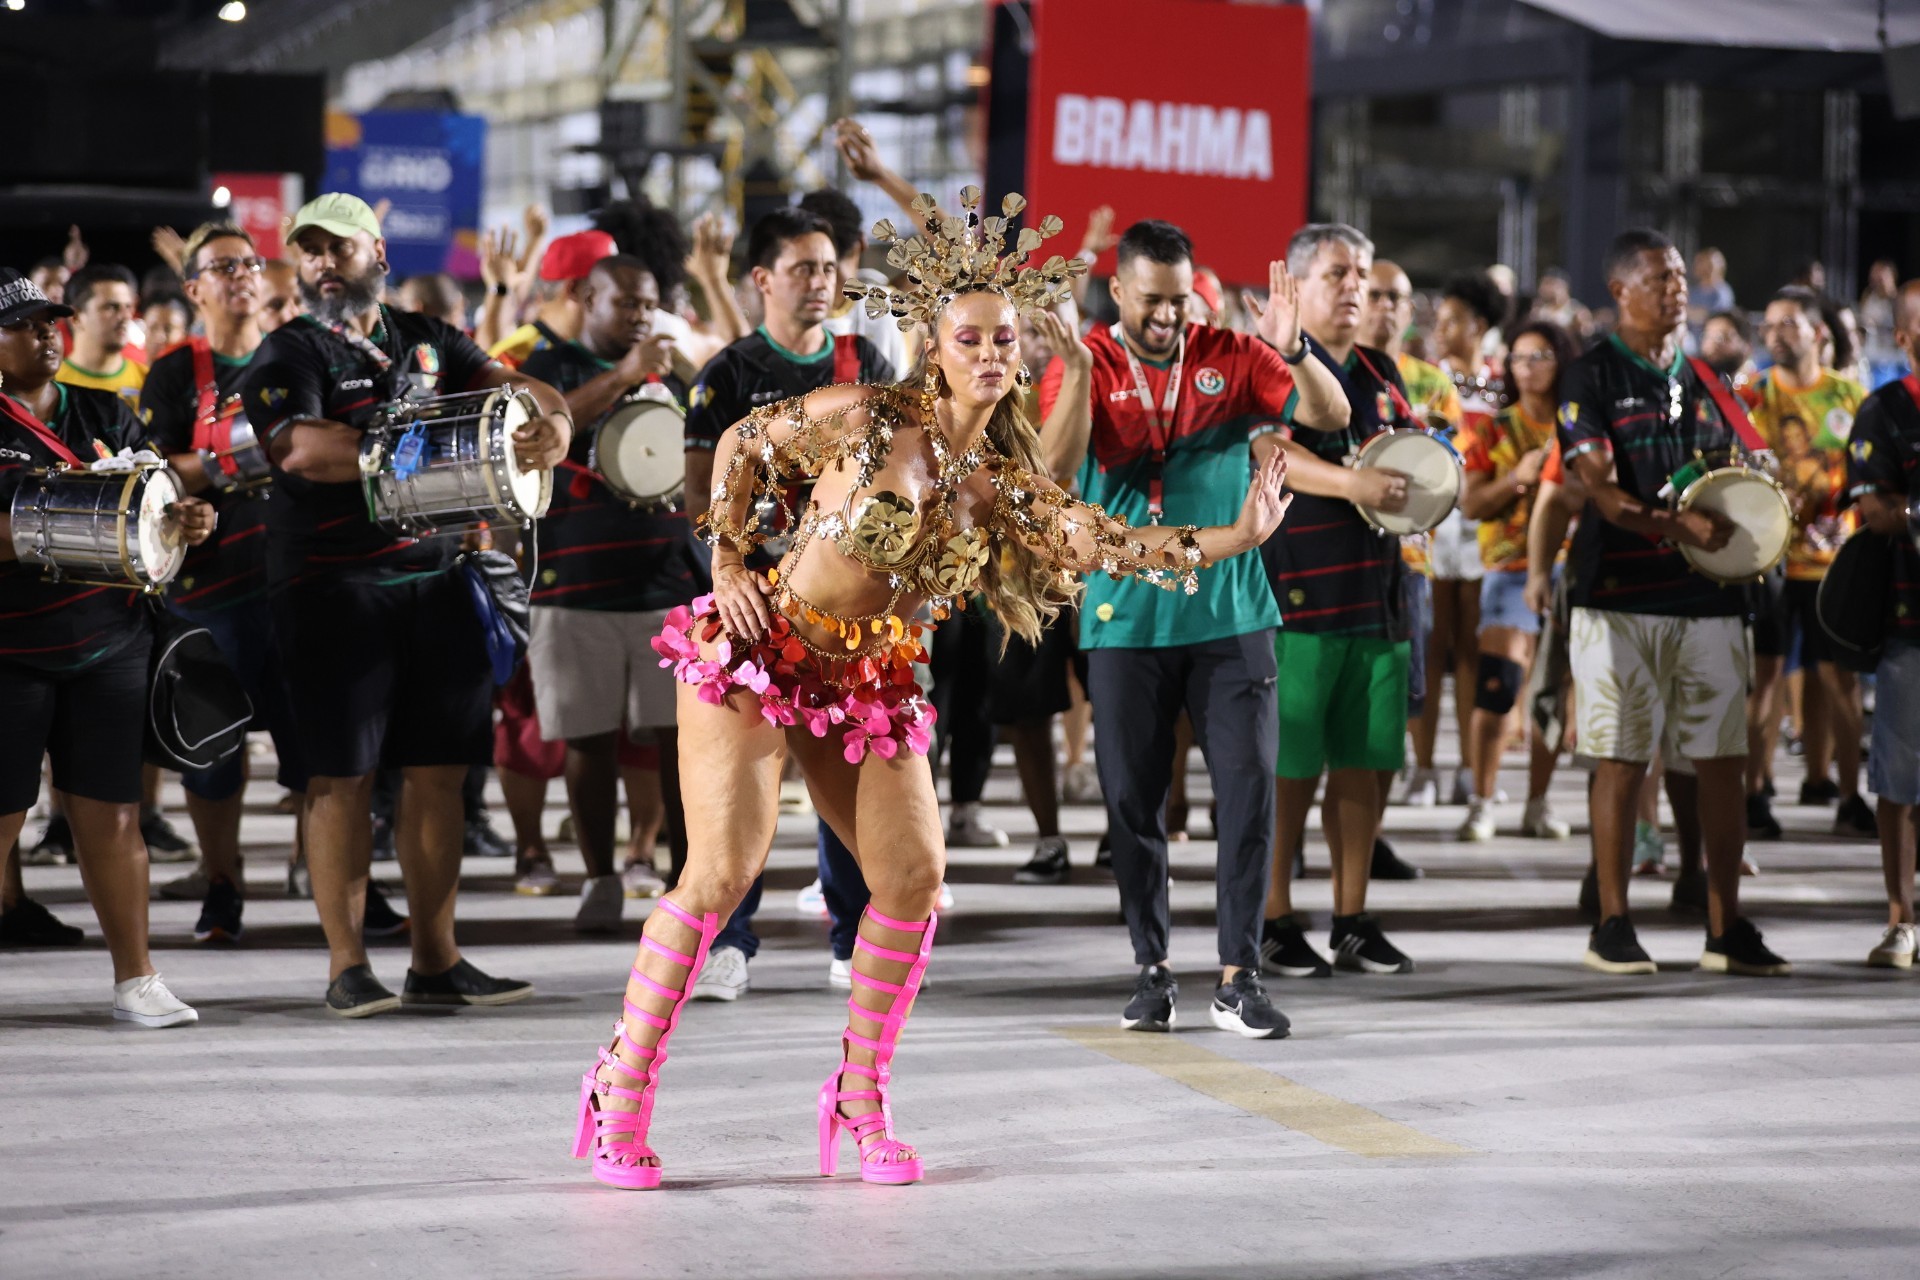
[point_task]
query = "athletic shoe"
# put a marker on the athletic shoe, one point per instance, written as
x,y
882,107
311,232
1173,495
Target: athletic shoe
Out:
x,y
1479,824
1540,823
463,984
1462,787
1855,818
484,842
1423,790
1151,1008
968,832
1590,895
1819,791
1358,945
602,899
1241,1006
148,1002
1761,824
1748,867
642,881
946,904
1285,951
1613,947
381,920
1387,864
1049,864
1649,853
1689,894
812,901
55,845
220,913
565,833
840,974
1080,784
537,878
356,993
1740,951
1767,788
191,887
724,977
163,842
383,839
1895,950
28,924
299,880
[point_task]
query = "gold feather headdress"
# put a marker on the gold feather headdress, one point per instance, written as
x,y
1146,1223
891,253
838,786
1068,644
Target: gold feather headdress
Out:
x,y
965,253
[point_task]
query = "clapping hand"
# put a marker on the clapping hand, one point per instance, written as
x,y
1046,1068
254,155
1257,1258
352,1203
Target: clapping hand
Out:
x,y
1278,322
1267,500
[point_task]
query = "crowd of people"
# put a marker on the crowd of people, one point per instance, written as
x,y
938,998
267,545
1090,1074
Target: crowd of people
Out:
x,y
891,418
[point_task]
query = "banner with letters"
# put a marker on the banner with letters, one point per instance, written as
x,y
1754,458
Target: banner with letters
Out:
x,y
1211,131
427,166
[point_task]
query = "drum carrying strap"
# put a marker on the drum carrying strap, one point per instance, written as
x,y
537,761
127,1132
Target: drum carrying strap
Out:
x,y
20,414
206,389
1730,410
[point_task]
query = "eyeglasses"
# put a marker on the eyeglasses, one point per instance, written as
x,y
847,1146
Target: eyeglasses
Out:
x,y
233,266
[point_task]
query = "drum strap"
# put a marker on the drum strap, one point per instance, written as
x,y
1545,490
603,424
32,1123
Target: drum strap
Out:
x,y
1912,383
23,416
1401,408
846,357
206,388
1735,416
1160,418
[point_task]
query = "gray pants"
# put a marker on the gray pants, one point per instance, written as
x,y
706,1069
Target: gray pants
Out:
x,y
1227,689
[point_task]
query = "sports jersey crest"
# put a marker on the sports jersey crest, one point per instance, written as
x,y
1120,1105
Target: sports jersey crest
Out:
x,y
1209,381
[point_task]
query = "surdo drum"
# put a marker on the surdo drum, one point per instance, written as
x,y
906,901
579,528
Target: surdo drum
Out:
x,y
446,464
107,527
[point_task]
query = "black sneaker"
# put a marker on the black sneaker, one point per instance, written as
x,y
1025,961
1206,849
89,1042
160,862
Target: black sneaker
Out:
x,y
356,993
1613,947
1767,788
1855,818
383,840
1739,950
219,912
1049,864
1151,1008
1689,894
1103,856
163,842
1388,865
1590,894
484,842
55,845
1819,791
1285,951
463,984
1241,1006
28,924
1761,824
381,920
1358,945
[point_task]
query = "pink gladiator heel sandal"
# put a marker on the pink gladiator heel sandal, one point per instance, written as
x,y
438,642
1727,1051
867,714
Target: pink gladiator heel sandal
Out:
x,y
872,1133
617,1139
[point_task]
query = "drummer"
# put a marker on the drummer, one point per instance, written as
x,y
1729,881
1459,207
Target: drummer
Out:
x,y
1344,657
608,573
1658,651
385,656
223,585
73,666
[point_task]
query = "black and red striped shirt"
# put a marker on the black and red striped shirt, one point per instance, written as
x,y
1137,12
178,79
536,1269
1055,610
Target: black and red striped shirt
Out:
x,y
303,370
63,626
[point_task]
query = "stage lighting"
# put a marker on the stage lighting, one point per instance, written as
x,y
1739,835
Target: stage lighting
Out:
x,y
232,11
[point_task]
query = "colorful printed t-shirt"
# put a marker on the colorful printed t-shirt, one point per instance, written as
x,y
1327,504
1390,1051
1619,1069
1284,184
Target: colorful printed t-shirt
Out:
x,y
124,382
1814,461
1493,448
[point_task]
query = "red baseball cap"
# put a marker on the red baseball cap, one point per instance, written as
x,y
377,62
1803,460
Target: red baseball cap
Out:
x,y
572,257
1207,285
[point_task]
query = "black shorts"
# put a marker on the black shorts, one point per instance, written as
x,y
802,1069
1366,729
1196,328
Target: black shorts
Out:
x,y
385,675
1030,680
1772,628
91,721
1801,601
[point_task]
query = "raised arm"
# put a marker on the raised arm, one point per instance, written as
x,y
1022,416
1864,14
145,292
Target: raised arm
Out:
x,y
1069,424
1323,404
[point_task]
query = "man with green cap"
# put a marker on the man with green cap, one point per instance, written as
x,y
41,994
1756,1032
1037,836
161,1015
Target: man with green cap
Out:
x,y
385,657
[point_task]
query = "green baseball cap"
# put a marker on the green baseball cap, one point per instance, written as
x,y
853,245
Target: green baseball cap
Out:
x,y
337,212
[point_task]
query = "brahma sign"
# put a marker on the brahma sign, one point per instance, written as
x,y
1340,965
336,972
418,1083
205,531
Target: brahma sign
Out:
x,y
1195,111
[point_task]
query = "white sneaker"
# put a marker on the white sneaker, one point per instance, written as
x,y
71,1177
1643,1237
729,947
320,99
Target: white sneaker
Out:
x,y
642,881
811,901
840,974
1540,822
602,899
1479,823
148,1002
191,887
966,831
1895,950
1423,791
724,977
1080,784
946,898
537,880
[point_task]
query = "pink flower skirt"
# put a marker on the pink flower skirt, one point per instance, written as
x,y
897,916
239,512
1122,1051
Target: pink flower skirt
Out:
x,y
872,702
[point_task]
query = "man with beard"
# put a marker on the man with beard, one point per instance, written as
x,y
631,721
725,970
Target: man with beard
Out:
x,y
609,572
1161,419
385,656
1726,344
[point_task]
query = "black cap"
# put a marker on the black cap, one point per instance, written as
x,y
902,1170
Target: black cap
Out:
x,y
21,299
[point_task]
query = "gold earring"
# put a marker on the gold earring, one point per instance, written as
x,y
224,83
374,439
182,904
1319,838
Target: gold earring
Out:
x,y
1023,377
929,392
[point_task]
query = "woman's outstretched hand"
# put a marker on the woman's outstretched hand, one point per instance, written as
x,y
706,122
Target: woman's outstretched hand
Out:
x,y
740,597
1267,501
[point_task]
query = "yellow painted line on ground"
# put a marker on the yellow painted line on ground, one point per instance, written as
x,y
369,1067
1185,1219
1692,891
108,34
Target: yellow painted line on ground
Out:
x,y
1319,1116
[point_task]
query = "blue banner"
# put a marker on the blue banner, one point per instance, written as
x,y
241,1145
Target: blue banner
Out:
x,y
427,165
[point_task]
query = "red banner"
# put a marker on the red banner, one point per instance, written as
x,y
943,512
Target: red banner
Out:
x,y
1195,111
260,204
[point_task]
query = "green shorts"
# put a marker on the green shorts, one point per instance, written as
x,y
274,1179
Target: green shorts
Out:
x,y
1343,703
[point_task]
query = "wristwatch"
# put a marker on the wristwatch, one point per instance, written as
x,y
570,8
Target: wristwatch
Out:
x,y
500,290
1299,353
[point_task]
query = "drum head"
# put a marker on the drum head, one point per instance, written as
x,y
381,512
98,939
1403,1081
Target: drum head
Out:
x,y
1433,479
641,451
156,543
1763,523
532,490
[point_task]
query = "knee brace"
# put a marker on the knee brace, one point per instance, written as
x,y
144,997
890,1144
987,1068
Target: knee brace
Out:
x,y
1498,685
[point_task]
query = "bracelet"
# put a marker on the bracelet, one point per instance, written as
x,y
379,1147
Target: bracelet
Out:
x,y
501,290
1301,353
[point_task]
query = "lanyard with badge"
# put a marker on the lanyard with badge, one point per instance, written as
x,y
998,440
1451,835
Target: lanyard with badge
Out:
x,y
1160,420
411,450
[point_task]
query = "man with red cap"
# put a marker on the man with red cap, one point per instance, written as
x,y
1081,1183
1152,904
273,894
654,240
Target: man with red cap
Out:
x,y
558,318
